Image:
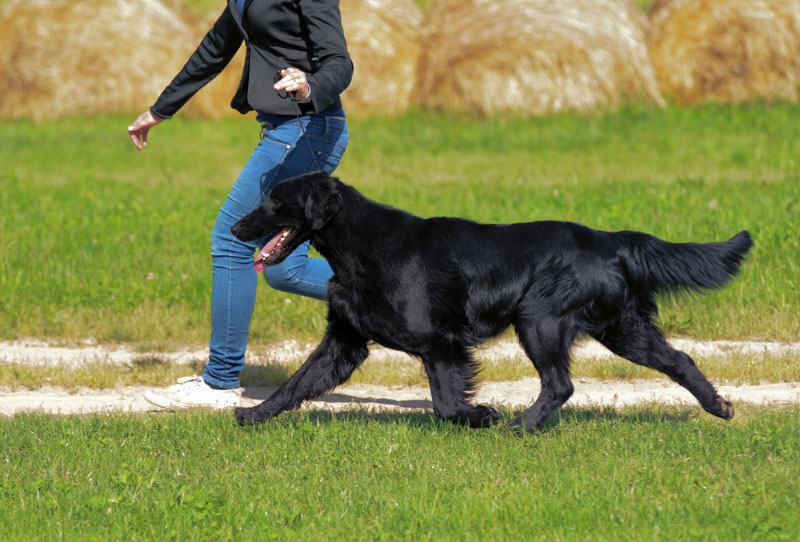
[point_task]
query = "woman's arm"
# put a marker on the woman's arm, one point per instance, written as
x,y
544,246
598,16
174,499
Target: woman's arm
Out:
x,y
324,23
212,55
214,52
141,127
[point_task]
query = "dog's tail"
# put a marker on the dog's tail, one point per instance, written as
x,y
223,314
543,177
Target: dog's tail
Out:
x,y
659,266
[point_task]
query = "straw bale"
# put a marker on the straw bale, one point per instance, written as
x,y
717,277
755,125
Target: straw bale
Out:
x,y
383,38
94,56
726,50
534,56
214,100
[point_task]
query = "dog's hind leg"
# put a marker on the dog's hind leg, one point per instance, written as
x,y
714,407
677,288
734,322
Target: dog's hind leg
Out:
x,y
638,340
341,351
546,342
451,375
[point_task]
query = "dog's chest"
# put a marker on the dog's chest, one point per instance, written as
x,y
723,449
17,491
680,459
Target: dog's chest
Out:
x,y
400,324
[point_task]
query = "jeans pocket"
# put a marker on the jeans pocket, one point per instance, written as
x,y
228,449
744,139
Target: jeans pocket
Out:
x,y
329,145
327,155
284,138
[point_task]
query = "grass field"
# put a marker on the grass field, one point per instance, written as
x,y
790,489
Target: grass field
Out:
x,y
734,368
99,240
649,473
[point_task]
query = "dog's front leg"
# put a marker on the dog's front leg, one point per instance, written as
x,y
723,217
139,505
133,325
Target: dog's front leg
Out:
x,y
341,351
451,375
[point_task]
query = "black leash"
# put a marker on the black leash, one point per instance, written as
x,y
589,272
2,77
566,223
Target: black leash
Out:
x,y
298,114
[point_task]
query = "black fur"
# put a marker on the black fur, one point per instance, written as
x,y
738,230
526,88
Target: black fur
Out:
x,y
437,287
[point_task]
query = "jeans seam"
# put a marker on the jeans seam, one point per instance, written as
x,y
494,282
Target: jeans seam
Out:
x,y
271,184
294,276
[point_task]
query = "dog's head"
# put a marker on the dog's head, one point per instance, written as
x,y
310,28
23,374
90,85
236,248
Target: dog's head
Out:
x,y
293,212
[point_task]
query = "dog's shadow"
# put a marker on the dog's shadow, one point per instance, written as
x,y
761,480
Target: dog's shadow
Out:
x,y
420,412
256,394
563,421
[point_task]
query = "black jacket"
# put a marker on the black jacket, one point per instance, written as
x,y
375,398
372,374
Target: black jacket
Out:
x,y
304,34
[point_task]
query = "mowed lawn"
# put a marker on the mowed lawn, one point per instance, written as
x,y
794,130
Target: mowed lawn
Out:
x,y
98,241
594,474
101,241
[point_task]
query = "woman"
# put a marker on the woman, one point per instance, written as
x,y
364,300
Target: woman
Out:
x,y
298,48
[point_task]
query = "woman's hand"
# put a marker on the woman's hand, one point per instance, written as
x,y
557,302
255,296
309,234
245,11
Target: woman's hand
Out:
x,y
138,130
294,81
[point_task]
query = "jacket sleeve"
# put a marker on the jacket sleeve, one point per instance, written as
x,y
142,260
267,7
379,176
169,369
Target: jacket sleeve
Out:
x,y
334,67
214,53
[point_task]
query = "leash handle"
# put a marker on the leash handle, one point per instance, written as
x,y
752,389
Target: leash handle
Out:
x,y
285,94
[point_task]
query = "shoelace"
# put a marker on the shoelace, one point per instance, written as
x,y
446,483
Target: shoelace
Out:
x,y
187,379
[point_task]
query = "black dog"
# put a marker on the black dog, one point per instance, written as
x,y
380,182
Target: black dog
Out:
x,y
437,287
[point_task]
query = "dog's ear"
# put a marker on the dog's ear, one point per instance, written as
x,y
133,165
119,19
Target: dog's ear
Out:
x,y
324,200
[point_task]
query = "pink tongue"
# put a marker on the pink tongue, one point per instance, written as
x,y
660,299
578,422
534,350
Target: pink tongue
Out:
x,y
271,244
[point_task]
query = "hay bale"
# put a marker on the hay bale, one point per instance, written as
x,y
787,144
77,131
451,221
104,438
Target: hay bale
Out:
x,y
534,56
383,38
214,100
62,57
726,50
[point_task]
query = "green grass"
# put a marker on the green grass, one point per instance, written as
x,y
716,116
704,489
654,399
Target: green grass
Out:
x,y
649,473
206,7
732,368
99,240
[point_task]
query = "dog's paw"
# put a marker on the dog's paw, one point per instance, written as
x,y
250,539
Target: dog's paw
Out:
x,y
478,416
248,416
472,416
518,427
725,409
482,416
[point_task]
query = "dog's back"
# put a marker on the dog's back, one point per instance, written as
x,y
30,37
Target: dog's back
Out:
x,y
475,279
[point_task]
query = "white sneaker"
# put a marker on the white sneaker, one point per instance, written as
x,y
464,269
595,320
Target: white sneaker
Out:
x,y
192,391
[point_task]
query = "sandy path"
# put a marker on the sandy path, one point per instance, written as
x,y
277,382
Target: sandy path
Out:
x,y
515,394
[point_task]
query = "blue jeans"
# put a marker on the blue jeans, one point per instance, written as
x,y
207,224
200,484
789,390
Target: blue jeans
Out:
x,y
283,152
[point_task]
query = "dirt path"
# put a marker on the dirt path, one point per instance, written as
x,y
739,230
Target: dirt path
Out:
x,y
515,394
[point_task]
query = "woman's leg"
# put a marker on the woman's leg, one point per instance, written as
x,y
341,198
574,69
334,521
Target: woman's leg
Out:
x,y
281,154
300,274
234,281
